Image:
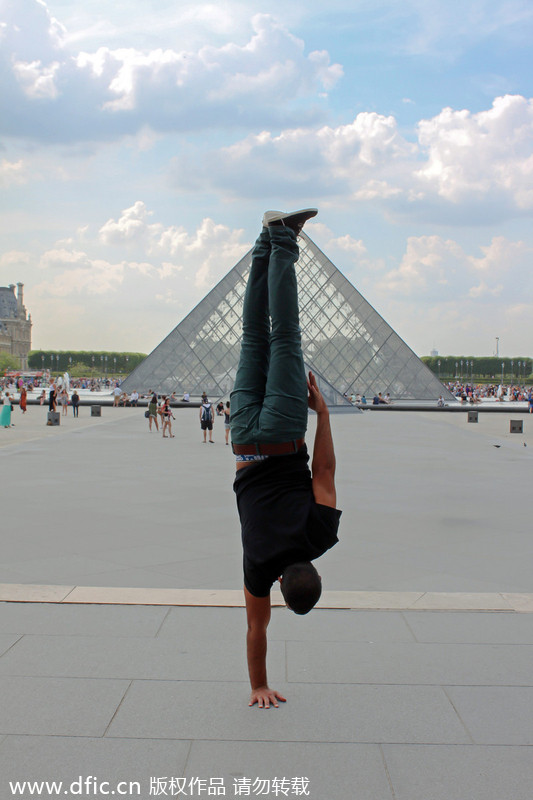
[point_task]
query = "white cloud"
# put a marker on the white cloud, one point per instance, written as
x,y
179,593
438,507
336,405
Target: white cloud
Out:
x,y
78,273
200,253
111,92
434,269
477,155
481,164
171,271
14,257
12,172
131,227
37,81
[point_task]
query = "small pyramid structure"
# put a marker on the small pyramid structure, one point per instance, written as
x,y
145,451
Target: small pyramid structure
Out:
x,y
345,342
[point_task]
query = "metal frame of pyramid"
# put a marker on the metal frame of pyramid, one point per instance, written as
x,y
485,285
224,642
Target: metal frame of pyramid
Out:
x,y
344,341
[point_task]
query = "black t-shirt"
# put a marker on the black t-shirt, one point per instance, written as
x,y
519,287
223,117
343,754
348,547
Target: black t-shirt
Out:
x,y
281,522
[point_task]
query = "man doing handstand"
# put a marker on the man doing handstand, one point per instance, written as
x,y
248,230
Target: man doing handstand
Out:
x,y
288,515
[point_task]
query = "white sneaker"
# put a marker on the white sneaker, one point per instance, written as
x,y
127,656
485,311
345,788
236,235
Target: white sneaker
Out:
x,y
293,219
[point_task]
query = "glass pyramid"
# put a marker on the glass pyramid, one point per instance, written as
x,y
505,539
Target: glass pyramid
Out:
x,y
345,342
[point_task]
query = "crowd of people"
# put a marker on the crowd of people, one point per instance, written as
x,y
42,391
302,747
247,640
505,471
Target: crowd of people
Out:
x,y
472,393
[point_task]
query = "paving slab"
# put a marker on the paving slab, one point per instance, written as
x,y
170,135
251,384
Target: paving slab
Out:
x,y
58,706
470,628
132,657
66,758
313,713
87,620
7,641
459,773
33,594
495,714
410,663
521,602
340,771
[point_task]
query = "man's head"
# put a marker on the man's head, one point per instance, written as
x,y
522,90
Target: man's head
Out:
x,y
301,587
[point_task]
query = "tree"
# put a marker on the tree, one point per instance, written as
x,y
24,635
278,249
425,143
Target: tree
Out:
x,y
8,363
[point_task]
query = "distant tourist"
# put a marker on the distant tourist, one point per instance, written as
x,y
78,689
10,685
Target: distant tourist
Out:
x,y
5,413
63,400
167,417
134,398
23,399
152,412
227,421
52,398
207,417
186,397
220,409
75,402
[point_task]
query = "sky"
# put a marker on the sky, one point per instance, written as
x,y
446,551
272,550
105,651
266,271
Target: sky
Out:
x,y
142,140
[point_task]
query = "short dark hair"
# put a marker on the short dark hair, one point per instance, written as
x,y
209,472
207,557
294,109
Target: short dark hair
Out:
x,y
301,586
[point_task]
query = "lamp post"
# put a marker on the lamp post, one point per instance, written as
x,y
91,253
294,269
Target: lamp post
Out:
x,y
456,372
503,365
497,346
472,373
438,364
512,371
115,365
105,367
101,365
461,369
92,359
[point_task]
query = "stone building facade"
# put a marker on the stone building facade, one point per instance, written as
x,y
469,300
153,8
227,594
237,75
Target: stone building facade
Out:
x,y
15,324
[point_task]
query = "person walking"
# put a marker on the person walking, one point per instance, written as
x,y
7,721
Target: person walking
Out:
x,y
227,422
207,417
287,513
167,417
152,412
23,400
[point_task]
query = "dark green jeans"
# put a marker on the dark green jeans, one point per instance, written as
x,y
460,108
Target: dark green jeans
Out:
x,y
269,398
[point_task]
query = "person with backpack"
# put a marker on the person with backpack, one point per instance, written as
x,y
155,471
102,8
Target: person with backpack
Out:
x,y
207,416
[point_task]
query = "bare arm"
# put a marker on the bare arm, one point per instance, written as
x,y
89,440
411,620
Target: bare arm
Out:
x,y
323,464
258,616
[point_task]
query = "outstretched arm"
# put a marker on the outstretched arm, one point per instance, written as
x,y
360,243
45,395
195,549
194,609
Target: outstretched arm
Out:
x,y
323,464
258,616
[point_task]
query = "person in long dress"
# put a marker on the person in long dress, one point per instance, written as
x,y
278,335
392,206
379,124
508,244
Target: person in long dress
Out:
x,y
5,413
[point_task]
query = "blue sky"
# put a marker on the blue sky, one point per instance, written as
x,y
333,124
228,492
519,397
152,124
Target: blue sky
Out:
x,y
140,143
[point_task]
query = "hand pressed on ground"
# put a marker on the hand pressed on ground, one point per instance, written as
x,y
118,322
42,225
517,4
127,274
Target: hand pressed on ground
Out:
x,y
263,696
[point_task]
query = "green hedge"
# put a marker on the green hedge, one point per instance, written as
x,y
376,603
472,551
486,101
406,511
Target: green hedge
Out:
x,y
125,362
484,368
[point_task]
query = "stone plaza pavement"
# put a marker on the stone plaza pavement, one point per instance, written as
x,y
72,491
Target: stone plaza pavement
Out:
x,y
122,628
